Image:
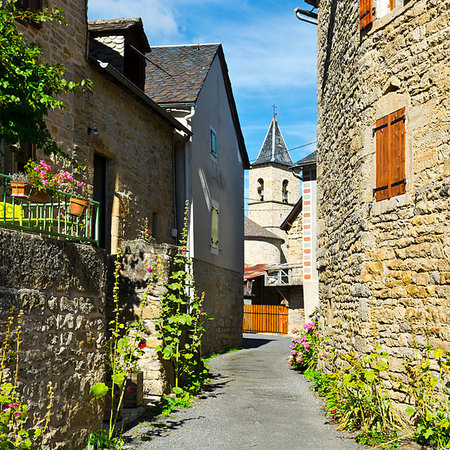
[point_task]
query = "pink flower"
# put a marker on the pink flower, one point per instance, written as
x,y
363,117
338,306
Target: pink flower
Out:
x,y
323,356
293,352
18,413
333,411
290,362
80,184
120,267
142,344
150,270
201,311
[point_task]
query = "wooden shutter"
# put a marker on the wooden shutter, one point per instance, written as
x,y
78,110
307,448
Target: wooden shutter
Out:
x,y
390,155
397,152
383,166
365,13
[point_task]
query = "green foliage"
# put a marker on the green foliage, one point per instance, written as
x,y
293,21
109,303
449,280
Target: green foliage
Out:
x,y
15,430
28,86
356,397
172,402
429,389
123,351
180,322
100,440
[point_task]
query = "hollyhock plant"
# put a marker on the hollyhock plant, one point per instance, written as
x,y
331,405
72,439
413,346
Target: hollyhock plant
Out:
x,y
305,346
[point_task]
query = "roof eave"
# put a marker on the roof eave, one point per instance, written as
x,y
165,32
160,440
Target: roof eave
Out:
x,y
233,109
124,81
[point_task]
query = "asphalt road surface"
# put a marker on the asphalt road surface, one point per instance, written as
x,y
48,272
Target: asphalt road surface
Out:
x,y
255,400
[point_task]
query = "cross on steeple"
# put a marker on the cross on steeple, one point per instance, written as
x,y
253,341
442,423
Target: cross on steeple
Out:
x,y
274,108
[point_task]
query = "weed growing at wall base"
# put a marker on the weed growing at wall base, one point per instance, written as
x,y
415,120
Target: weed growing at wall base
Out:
x,y
15,430
356,398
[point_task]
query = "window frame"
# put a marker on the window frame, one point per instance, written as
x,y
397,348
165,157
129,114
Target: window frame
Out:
x,y
213,148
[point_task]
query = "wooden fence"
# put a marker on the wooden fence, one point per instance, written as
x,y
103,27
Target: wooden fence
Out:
x,y
265,319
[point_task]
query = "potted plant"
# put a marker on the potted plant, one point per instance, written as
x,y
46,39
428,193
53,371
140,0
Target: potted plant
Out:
x,y
39,182
22,188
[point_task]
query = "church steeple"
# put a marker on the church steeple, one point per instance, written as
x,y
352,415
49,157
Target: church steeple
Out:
x,y
274,149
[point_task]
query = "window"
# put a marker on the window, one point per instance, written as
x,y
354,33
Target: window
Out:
x,y
390,155
284,191
215,229
34,5
213,142
261,189
368,9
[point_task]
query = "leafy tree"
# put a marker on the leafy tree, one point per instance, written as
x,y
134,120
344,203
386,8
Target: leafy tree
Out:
x,y
28,85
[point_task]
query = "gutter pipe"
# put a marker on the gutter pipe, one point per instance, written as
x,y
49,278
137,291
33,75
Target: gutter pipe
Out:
x,y
306,16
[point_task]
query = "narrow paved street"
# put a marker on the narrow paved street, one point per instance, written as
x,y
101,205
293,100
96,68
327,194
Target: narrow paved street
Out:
x,y
255,401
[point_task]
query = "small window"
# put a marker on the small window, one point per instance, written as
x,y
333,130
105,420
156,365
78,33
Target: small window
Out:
x,y
260,189
34,5
213,142
215,229
284,191
390,155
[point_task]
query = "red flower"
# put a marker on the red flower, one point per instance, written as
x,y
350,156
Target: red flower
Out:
x,y
142,344
333,412
128,389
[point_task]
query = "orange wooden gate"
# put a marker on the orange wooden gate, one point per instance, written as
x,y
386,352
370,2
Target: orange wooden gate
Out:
x,y
265,319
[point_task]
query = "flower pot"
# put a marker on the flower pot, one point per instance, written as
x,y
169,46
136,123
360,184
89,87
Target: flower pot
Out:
x,y
134,390
78,207
24,190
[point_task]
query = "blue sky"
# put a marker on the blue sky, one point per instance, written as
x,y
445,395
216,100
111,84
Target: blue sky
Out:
x,y
271,56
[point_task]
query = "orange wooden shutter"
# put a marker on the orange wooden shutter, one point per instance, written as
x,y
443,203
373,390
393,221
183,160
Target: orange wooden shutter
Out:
x,y
383,166
397,152
365,13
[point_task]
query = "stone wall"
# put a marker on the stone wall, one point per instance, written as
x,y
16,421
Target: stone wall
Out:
x,y
60,287
262,250
136,258
223,302
384,265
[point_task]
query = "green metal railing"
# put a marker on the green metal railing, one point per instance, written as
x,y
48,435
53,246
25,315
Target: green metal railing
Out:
x,y
51,218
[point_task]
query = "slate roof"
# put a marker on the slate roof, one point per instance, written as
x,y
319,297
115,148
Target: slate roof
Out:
x,y
252,229
309,160
274,149
188,66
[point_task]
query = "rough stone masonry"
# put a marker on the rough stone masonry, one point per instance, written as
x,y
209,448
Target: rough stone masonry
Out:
x,y
384,265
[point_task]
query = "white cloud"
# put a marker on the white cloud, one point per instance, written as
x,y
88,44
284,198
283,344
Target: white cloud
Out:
x,y
157,15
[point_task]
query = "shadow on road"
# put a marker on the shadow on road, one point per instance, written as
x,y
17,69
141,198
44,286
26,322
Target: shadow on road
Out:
x,y
256,341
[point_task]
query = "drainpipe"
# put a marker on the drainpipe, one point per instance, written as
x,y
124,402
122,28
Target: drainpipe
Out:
x,y
187,182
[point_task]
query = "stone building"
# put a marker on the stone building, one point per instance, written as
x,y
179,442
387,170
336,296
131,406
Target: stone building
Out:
x,y
273,253
384,174
192,83
125,143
